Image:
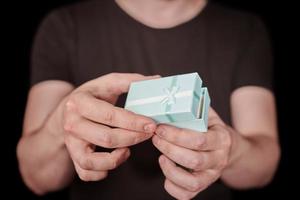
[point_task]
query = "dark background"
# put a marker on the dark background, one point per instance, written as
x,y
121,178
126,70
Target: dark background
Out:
x,y
20,22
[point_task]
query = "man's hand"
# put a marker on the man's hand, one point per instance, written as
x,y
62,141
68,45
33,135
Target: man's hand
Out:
x,y
91,119
205,154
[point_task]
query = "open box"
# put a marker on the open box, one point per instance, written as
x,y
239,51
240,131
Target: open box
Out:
x,y
178,100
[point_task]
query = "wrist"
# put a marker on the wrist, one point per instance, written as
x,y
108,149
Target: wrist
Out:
x,y
239,145
54,125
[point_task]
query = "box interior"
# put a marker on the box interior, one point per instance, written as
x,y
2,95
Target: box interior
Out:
x,y
201,104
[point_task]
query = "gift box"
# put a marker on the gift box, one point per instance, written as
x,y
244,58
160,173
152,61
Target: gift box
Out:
x,y
178,100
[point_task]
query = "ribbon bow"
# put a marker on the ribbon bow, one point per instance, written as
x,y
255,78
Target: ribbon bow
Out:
x,y
170,95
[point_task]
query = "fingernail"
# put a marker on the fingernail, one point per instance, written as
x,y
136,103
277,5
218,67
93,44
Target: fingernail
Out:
x,y
160,132
150,128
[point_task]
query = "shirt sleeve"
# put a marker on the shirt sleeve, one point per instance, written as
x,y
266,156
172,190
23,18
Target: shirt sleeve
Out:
x,y
255,63
51,56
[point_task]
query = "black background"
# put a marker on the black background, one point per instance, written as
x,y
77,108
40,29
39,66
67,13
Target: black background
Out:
x,y
20,22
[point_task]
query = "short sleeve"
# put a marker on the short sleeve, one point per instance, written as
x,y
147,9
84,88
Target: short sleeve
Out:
x,y
51,56
255,63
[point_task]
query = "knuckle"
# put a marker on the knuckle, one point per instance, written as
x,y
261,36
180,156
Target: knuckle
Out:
x,y
167,148
181,131
103,175
71,123
86,163
196,163
87,176
137,74
133,124
174,136
69,116
114,75
137,139
223,163
109,117
168,171
68,124
195,185
81,103
69,106
198,143
226,138
187,195
84,175
74,100
67,141
218,127
106,140
114,163
214,120
166,185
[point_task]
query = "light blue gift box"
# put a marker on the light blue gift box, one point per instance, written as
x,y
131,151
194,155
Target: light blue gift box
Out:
x,y
178,100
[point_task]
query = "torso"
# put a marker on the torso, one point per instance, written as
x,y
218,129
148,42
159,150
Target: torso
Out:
x,y
108,40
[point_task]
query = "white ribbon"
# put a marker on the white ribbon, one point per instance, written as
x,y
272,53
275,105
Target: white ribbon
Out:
x,y
170,98
171,95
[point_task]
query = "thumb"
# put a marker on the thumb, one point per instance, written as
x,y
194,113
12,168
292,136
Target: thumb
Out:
x,y
112,85
214,118
120,82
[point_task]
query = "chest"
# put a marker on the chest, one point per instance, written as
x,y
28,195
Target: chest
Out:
x,y
117,49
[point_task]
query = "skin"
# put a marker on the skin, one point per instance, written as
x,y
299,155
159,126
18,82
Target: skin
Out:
x,y
243,156
63,124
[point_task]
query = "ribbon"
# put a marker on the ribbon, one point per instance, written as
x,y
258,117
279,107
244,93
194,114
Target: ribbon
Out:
x,y
168,99
170,95
157,99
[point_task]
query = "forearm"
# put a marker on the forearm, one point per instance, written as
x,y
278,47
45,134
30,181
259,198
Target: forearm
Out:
x,y
43,159
253,161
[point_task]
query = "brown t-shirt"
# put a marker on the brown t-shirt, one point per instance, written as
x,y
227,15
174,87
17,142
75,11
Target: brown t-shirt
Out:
x,y
80,42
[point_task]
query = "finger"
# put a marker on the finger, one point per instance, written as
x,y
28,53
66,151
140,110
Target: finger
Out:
x,y
105,136
89,175
206,178
186,157
214,118
178,192
217,137
181,137
179,176
114,84
103,112
100,161
120,82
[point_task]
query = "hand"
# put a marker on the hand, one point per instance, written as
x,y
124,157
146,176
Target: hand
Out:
x,y
205,154
91,119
